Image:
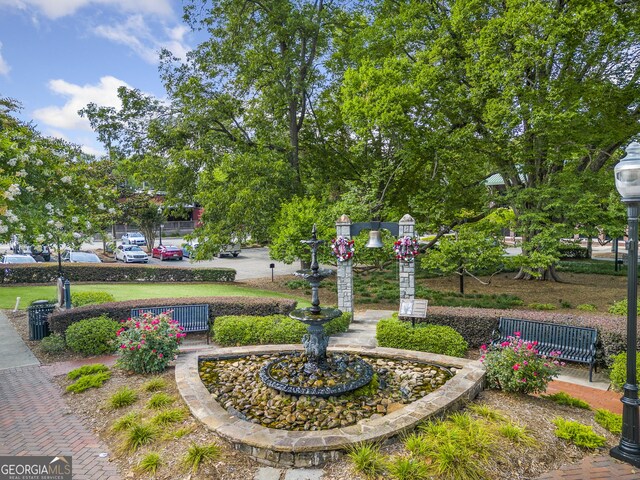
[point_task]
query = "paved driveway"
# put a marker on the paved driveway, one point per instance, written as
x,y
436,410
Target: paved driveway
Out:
x,y
251,263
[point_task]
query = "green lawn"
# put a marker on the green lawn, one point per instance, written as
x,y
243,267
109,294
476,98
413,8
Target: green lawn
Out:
x,y
130,291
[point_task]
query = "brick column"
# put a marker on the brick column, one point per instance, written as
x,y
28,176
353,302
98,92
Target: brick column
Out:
x,y
407,269
345,269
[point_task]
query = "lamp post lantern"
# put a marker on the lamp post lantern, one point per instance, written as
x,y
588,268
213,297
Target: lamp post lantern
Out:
x,y
627,176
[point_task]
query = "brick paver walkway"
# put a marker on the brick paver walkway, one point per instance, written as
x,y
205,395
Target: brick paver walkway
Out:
x,y
34,420
601,467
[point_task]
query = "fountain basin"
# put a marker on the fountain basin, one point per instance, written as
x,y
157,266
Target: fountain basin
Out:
x,y
358,373
309,317
285,448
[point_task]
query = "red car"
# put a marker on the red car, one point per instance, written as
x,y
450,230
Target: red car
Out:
x,y
167,252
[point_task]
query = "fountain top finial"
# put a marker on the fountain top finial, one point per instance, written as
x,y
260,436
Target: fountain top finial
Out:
x,y
313,243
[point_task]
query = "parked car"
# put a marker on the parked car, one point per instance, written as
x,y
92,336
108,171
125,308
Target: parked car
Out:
x,y
131,254
189,249
80,257
231,249
16,258
134,238
166,252
42,253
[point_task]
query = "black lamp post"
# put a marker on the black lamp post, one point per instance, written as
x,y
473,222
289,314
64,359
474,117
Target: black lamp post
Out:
x,y
627,174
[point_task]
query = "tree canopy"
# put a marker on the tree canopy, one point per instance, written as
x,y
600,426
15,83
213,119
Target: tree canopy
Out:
x,y
403,106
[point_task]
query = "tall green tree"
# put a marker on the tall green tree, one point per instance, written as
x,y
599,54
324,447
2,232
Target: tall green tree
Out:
x,y
239,107
543,92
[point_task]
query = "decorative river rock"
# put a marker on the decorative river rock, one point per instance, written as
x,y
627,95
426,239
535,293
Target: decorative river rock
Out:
x,y
234,384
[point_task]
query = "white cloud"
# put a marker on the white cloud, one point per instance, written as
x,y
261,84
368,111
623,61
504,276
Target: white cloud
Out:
x,y
4,66
136,34
60,8
105,93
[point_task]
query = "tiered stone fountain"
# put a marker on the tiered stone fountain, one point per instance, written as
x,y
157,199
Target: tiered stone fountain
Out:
x,y
314,373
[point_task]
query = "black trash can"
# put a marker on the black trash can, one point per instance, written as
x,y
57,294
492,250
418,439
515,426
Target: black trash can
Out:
x,y
39,312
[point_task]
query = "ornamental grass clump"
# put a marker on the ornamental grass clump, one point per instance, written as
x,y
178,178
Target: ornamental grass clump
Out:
x,y
562,398
609,420
148,343
515,366
581,435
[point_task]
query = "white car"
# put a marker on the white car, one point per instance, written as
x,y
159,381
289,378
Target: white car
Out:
x,y
131,254
9,258
134,238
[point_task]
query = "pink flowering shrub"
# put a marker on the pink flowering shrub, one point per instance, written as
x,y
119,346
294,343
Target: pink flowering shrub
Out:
x,y
515,366
147,344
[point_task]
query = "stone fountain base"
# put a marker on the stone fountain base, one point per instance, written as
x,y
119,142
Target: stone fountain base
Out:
x,y
285,448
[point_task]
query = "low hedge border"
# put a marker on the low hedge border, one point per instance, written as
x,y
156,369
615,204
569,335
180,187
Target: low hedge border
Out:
x,y
113,272
425,337
60,320
240,330
476,325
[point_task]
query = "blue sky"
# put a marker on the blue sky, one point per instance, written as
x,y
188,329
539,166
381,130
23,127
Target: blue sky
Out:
x,y
58,55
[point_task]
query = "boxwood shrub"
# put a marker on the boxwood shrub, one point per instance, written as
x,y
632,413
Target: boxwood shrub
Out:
x,y
393,333
113,272
618,372
78,299
93,336
60,320
238,330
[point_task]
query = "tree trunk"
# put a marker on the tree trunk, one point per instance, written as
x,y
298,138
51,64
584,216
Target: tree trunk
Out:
x,y
548,273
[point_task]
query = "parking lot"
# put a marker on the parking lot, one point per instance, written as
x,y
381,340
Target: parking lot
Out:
x,y
250,263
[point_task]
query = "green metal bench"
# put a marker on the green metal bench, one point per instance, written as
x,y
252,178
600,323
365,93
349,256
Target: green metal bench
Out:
x,y
575,344
192,318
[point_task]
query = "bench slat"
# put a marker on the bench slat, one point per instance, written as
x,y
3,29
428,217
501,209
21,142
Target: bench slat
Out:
x,y
192,318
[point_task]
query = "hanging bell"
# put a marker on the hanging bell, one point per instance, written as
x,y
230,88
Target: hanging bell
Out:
x,y
375,239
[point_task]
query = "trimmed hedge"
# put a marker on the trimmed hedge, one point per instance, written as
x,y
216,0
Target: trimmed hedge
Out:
x,y
113,272
618,372
477,324
572,251
271,330
60,320
425,337
79,299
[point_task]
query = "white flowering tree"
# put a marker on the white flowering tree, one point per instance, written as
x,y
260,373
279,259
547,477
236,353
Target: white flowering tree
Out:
x,y
50,190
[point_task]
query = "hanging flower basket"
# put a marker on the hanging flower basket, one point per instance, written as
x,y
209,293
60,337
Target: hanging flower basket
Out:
x,y
406,248
342,249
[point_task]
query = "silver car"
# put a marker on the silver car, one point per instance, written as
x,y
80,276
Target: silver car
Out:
x,y
134,238
80,257
13,258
